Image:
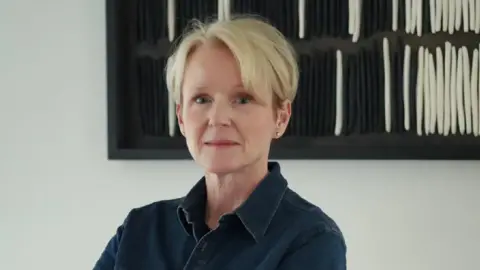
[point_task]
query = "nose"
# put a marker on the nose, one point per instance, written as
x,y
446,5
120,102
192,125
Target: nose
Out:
x,y
220,114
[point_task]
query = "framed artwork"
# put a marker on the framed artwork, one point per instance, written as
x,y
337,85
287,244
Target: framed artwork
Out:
x,y
386,80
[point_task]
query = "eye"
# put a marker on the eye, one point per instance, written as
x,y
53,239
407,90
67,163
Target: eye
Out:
x,y
201,99
245,99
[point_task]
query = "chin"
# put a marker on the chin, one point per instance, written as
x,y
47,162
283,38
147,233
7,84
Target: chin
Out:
x,y
221,165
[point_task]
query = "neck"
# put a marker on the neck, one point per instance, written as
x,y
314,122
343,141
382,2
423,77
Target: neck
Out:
x,y
227,192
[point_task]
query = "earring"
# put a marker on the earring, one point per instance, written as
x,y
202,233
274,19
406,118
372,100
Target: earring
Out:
x,y
277,134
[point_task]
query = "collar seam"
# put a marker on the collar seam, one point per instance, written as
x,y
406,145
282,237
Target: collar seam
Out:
x,y
274,212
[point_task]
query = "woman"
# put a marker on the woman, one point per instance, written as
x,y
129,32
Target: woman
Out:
x,y
234,82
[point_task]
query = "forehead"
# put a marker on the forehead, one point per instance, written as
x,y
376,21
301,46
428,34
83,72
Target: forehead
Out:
x,y
213,65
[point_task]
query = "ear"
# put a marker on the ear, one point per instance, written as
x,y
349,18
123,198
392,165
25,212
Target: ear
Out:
x,y
283,118
180,118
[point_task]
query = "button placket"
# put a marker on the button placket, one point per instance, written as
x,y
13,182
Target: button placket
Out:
x,y
203,251
202,254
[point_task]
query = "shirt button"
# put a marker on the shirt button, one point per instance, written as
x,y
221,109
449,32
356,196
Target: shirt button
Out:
x,y
203,246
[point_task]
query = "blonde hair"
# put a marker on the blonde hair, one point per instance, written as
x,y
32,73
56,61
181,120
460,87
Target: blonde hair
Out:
x,y
266,59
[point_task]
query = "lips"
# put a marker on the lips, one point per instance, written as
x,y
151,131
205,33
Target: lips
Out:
x,y
220,143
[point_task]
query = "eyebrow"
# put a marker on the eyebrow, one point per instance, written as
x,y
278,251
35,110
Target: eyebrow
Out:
x,y
203,87
239,85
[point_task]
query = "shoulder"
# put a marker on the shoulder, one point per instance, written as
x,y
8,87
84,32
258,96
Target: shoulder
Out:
x,y
317,243
309,213
310,221
139,225
162,205
158,210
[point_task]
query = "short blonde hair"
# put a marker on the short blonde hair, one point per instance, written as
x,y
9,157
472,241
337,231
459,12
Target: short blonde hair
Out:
x,y
265,57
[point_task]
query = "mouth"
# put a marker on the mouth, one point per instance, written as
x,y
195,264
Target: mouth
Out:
x,y
221,143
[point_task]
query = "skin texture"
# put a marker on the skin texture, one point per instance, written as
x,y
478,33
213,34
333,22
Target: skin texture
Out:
x,y
228,129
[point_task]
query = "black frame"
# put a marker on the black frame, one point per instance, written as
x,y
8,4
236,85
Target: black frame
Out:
x,y
122,144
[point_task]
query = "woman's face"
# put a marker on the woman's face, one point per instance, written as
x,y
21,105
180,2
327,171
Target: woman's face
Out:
x,y
226,127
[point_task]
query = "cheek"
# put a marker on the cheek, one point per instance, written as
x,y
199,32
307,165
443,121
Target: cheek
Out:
x,y
258,124
192,119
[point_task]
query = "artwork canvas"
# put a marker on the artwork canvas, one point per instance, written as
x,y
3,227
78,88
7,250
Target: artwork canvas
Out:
x,y
386,80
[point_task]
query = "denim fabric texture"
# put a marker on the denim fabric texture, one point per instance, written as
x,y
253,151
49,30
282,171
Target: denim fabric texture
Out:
x,y
275,228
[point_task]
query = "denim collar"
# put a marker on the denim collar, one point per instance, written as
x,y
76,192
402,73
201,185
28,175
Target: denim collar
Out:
x,y
256,213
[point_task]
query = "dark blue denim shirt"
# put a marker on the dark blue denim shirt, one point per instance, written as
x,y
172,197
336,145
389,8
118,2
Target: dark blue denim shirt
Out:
x,y
273,229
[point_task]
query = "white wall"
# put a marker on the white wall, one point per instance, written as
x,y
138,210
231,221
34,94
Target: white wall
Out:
x,y
60,199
